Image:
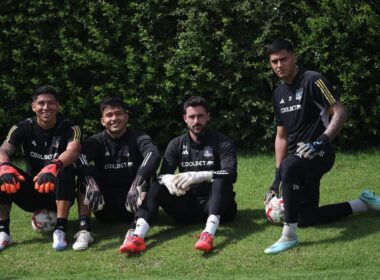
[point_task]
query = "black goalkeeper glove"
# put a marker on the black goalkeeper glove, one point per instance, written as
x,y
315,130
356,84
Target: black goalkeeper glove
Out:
x,y
311,149
274,189
136,194
94,198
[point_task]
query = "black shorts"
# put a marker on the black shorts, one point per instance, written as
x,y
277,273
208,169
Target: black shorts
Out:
x,y
190,209
30,200
114,209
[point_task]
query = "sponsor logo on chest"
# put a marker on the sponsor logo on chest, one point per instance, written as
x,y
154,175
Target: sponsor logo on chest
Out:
x,y
294,107
118,165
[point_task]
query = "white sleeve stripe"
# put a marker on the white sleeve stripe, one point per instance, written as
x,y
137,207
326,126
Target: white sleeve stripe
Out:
x,y
148,155
83,159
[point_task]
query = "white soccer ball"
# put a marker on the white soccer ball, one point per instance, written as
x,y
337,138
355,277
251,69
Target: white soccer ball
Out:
x,y
44,220
274,210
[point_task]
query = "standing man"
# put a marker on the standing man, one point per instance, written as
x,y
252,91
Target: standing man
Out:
x,y
308,116
202,191
50,144
116,167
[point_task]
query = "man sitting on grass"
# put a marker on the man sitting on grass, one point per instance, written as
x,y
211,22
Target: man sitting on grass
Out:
x,y
50,144
202,191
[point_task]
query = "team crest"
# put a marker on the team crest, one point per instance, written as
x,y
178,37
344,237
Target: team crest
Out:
x,y
299,93
56,142
207,152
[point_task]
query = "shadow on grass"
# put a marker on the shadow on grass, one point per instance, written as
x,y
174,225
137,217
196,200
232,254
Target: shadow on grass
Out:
x,y
247,222
351,228
40,238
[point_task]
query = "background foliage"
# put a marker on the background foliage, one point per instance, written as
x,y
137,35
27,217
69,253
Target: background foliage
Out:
x,y
154,54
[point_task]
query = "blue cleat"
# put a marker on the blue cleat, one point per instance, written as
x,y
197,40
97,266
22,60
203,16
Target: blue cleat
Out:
x,y
59,240
281,246
371,199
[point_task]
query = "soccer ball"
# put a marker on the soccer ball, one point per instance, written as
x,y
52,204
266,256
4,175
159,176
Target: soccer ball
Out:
x,y
44,220
274,210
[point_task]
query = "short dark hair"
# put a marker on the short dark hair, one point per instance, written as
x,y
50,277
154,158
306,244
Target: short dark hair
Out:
x,y
195,101
44,89
279,45
112,102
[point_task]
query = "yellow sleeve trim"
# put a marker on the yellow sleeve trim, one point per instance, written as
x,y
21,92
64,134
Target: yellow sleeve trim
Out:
x,y
77,133
13,128
325,91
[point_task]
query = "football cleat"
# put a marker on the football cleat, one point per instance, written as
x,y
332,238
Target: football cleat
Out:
x,y
371,199
281,246
205,242
133,244
5,240
59,240
84,239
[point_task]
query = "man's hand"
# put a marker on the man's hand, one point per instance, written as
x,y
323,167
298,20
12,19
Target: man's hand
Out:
x,y
168,181
93,198
274,189
311,149
9,178
186,179
46,179
136,194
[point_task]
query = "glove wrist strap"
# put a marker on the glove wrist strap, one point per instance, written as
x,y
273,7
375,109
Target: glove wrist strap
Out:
x,y
58,162
324,139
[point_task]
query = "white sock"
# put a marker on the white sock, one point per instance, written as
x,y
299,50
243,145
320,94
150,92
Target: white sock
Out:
x,y
142,228
289,230
358,206
212,224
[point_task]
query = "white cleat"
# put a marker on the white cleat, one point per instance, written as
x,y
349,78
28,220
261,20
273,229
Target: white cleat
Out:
x,y
5,240
84,239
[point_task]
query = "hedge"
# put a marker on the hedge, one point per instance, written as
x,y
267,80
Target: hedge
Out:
x,y
154,54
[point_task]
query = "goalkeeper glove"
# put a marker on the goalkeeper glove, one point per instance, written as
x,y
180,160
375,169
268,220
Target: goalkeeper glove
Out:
x,y
185,179
168,181
311,149
9,178
93,198
46,179
274,189
136,194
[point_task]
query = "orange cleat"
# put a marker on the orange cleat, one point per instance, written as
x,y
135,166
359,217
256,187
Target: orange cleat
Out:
x,y
205,242
133,244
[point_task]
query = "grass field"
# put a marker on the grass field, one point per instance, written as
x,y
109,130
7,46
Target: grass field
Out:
x,y
348,249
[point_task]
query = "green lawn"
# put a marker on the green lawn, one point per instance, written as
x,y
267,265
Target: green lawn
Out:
x,y
348,249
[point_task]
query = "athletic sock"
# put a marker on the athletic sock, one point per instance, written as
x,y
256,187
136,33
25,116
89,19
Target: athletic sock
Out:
x,y
212,224
4,226
61,224
142,228
358,206
84,223
289,231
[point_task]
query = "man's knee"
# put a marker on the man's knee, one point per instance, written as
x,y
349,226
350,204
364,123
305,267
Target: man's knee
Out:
x,y
291,169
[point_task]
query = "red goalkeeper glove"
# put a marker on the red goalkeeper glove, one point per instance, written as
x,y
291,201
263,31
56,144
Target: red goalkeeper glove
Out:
x,y
10,178
46,179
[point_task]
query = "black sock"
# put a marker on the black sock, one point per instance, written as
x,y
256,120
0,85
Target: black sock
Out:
x,y
61,224
4,226
84,223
